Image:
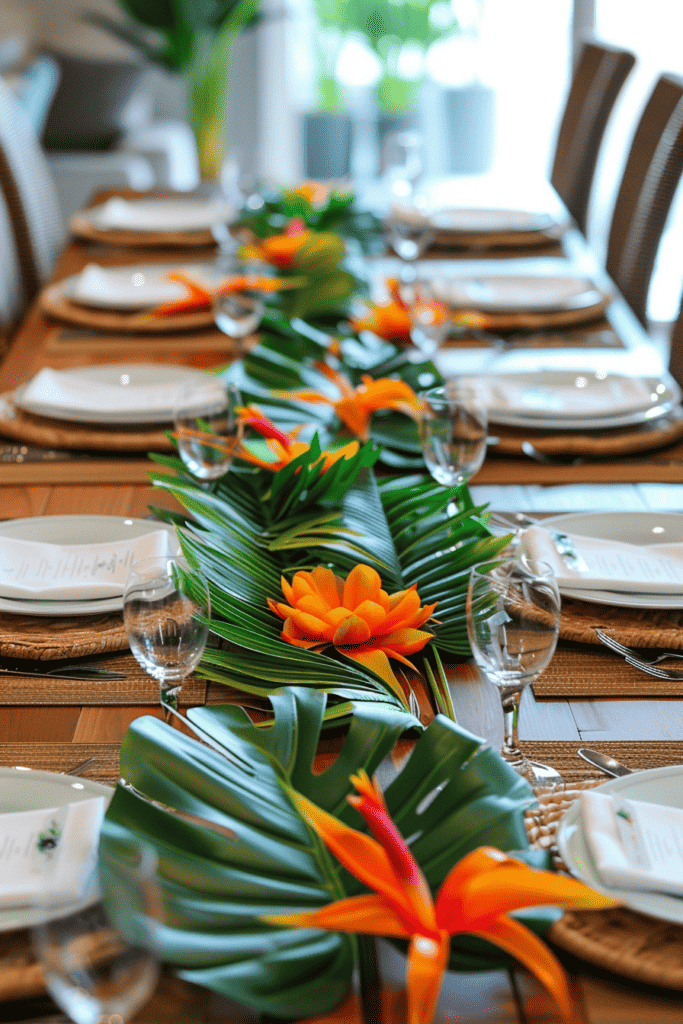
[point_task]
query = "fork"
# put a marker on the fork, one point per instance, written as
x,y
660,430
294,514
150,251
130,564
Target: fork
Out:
x,y
655,670
628,652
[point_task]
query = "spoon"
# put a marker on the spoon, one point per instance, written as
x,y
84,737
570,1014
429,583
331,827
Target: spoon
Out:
x,y
608,765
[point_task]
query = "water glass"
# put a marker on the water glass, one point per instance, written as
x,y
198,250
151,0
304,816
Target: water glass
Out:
x,y
402,163
513,622
91,971
238,313
453,430
430,321
163,608
207,427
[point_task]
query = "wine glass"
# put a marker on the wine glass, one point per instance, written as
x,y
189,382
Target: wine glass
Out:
x,y
207,426
165,604
513,622
403,163
91,971
410,233
453,430
238,314
430,321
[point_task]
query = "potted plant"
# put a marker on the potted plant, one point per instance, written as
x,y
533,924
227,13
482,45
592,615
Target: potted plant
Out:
x,y
194,40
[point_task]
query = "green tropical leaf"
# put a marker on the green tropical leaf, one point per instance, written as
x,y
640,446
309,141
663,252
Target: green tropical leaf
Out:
x,y
232,847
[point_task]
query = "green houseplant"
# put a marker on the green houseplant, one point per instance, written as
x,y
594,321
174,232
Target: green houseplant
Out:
x,y
193,38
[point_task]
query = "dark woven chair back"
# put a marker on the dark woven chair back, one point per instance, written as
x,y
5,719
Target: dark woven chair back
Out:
x,y
676,351
29,192
597,80
648,185
12,294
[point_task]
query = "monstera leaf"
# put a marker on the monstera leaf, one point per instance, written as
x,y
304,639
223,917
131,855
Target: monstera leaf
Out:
x,y
231,846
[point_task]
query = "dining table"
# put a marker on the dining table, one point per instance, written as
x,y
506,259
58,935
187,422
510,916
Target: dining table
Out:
x,y
627,970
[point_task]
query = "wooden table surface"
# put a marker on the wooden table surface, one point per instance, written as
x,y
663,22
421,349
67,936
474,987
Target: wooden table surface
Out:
x,y
121,488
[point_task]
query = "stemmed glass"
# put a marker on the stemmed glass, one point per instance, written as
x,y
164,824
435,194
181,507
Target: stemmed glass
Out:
x,y
238,314
403,165
453,430
430,321
207,426
164,603
91,971
513,622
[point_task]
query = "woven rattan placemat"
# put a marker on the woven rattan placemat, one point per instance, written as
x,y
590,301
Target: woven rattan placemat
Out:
x,y
618,939
599,444
578,670
636,754
54,302
44,638
634,627
52,433
81,226
62,757
136,688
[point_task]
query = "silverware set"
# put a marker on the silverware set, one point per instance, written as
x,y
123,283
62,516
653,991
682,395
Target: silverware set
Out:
x,y
649,665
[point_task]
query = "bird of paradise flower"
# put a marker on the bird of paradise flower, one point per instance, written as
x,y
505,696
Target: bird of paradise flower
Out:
x,y
475,898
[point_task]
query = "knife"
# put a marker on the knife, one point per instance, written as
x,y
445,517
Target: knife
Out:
x,y
608,765
56,670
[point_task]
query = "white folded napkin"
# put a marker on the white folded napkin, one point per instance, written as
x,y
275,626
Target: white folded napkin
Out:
x,y
49,855
128,288
585,397
31,570
64,391
162,214
634,844
599,564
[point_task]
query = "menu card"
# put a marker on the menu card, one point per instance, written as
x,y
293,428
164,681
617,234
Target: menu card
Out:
x,y
30,570
589,563
49,854
633,843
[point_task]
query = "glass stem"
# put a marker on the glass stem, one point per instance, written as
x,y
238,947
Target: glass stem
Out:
x,y
510,750
169,701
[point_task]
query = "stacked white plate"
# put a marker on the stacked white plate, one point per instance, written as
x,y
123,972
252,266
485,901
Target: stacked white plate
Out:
x,y
662,786
161,214
112,393
576,399
623,541
466,220
74,565
519,293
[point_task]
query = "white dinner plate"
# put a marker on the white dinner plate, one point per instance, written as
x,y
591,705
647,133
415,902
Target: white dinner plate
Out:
x,y
518,293
641,528
658,786
539,399
135,287
160,214
485,221
77,530
118,376
23,789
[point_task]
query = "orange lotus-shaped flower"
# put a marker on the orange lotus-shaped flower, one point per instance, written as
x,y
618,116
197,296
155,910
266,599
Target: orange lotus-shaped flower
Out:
x,y
355,406
356,616
285,447
475,898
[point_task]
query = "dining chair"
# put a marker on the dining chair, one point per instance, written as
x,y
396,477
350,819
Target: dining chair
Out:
x,y
600,73
12,293
29,192
648,185
676,349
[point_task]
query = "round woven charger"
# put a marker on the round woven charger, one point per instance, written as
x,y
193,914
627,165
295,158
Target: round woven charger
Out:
x,y
51,433
497,239
635,627
81,226
618,939
602,444
47,638
54,302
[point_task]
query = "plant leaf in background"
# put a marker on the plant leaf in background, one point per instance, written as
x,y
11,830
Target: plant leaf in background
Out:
x,y
232,847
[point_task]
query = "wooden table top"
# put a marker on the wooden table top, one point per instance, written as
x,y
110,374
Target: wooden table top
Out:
x,y
120,487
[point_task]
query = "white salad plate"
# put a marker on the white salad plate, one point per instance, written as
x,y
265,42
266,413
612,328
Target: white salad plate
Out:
x,y
140,286
640,528
76,529
25,789
159,384
547,399
656,785
521,293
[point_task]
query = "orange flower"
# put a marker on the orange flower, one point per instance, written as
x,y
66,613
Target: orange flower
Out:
x,y
200,297
285,447
390,319
355,406
356,616
314,191
281,250
475,897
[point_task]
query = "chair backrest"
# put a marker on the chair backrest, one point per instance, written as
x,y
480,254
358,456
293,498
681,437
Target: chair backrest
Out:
x,y
36,88
648,186
597,80
30,193
12,293
676,350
